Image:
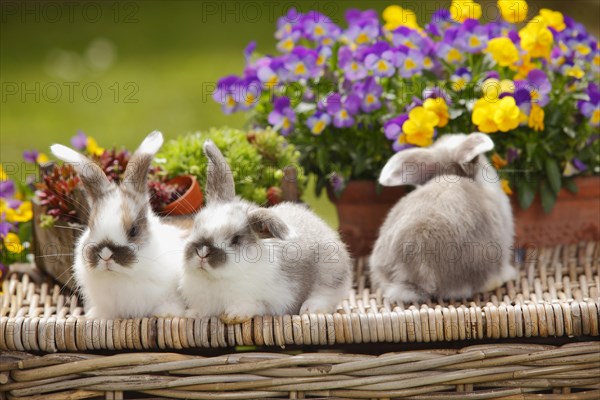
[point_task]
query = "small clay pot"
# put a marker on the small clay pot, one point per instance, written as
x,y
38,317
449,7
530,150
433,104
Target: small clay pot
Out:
x,y
190,202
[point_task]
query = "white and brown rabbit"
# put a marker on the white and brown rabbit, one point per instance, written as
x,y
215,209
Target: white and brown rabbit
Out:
x,y
242,260
127,263
451,237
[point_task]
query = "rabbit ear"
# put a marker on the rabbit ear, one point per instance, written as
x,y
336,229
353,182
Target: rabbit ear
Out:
x,y
136,173
93,178
220,186
472,147
267,225
408,167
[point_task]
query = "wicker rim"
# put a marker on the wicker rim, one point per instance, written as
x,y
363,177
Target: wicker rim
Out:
x,y
557,295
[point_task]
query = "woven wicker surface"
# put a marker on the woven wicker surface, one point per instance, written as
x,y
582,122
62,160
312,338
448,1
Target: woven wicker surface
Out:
x,y
557,294
478,372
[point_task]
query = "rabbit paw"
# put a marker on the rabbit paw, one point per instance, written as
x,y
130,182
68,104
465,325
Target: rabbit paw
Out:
x,y
317,306
400,293
170,309
230,318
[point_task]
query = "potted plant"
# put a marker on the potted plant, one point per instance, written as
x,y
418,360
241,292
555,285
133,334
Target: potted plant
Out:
x,y
264,166
60,206
349,97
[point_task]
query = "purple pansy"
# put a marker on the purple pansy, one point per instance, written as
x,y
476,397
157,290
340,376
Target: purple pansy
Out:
x,y
318,122
282,117
380,59
393,127
591,108
31,156
471,37
320,28
370,92
362,28
408,62
343,110
226,93
248,92
512,154
7,189
301,63
354,70
79,141
249,50
538,85
5,227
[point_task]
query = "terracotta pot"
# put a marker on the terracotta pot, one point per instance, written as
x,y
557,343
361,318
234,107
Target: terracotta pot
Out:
x,y
361,211
574,218
189,202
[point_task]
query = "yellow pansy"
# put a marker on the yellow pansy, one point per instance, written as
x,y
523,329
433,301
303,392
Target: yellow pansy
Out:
x,y
513,10
460,10
420,126
574,71
524,67
498,161
23,213
12,243
536,118
554,19
3,175
502,115
536,38
42,158
396,16
440,108
92,147
503,51
506,187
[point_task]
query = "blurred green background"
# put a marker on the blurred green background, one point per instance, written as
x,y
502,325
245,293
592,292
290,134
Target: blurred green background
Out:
x,y
118,70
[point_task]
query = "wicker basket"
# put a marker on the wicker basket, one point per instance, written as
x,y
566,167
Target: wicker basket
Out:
x,y
485,347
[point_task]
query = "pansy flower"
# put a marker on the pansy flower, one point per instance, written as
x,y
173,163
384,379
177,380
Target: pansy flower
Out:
x,y
343,110
396,16
591,108
440,22
301,63
538,85
361,30
320,28
354,69
79,141
460,78
380,60
419,129
282,117
408,62
248,92
450,53
370,92
471,37
226,93
318,122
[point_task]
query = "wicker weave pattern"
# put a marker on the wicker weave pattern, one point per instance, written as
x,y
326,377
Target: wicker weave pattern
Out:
x,y
492,371
557,295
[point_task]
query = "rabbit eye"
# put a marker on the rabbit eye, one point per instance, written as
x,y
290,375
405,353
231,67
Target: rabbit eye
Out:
x,y
133,232
236,240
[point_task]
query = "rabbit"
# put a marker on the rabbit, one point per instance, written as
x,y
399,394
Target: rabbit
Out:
x,y
451,237
127,263
242,260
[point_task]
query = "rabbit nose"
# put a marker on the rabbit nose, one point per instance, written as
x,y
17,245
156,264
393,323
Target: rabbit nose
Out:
x,y
105,254
203,251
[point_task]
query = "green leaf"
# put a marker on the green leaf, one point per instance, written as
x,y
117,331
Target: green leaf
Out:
x,y
571,186
553,174
548,198
570,131
525,194
530,147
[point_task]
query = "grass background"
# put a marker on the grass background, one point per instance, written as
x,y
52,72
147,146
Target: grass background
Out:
x,y
153,62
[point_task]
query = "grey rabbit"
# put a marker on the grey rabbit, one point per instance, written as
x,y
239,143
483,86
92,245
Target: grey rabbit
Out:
x,y
243,260
451,237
